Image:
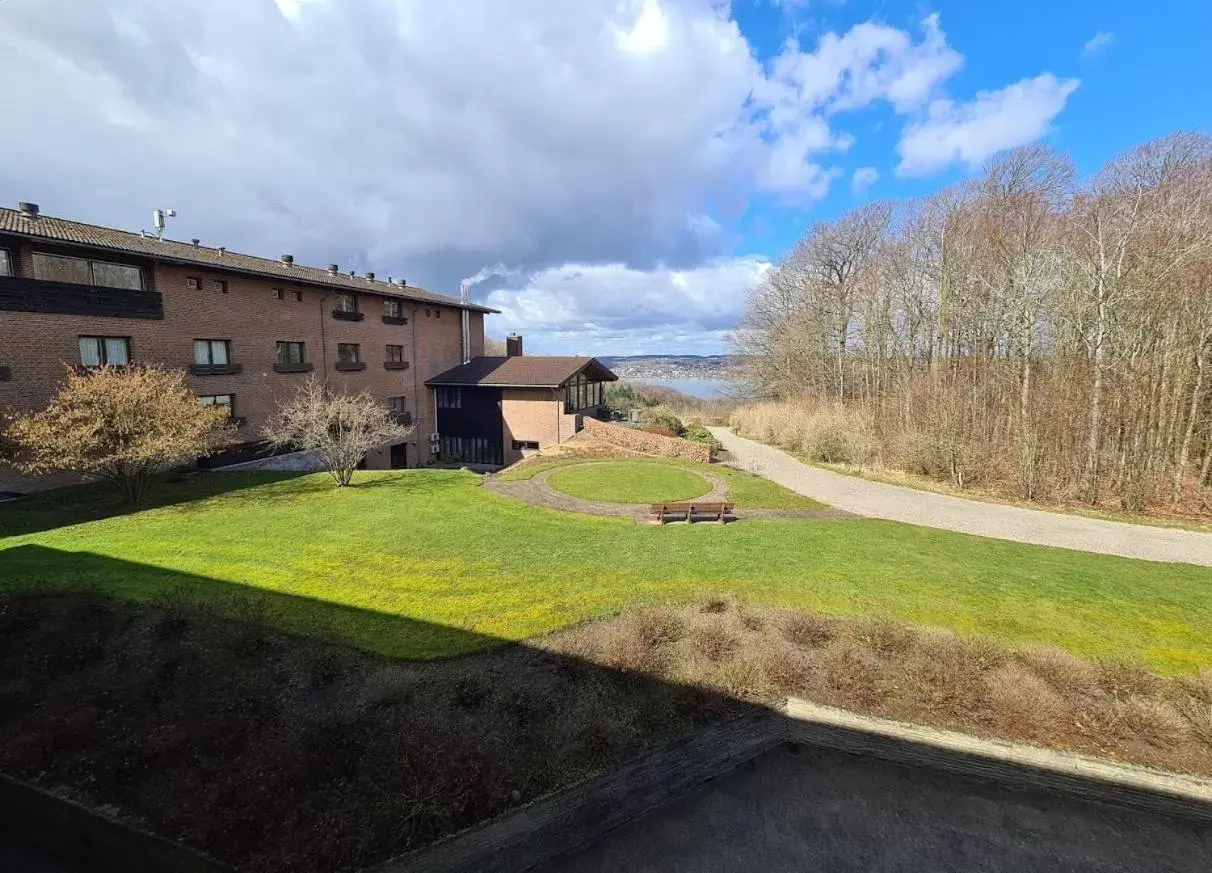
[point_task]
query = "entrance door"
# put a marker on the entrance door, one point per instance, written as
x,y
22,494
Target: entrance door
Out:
x,y
399,456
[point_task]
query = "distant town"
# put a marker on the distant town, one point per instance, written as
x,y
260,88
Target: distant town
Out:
x,y
641,367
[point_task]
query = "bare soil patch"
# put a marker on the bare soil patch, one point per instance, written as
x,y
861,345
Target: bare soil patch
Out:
x,y
273,752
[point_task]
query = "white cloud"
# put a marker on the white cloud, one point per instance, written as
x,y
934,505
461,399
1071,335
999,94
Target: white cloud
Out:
x,y
972,132
428,140
1098,43
864,178
617,309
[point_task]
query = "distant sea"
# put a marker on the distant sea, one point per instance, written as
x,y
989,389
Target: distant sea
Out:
x,y
708,389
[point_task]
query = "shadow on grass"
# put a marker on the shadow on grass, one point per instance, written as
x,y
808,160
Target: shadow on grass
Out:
x,y
76,504
190,709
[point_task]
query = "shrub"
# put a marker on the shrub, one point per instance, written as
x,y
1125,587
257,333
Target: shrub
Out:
x,y
1024,703
656,626
698,432
808,629
121,424
883,635
1064,671
662,417
338,428
714,641
786,669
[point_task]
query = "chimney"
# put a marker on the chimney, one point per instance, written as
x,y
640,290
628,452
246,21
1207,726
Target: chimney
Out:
x,y
28,210
288,260
370,277
513,345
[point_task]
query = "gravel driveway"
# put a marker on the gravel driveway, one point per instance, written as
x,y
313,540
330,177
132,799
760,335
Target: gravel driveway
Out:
x,y
876,500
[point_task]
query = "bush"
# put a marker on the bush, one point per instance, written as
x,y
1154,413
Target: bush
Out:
x,y
698,432
826,432
121,424
662,417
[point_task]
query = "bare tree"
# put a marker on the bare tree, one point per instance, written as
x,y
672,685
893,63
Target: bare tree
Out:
x,y
121,424
339,429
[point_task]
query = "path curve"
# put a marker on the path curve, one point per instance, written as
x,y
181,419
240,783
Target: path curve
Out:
x,y
538,492
877,500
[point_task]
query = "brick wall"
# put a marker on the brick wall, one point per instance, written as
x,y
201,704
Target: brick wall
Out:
x,y
534,414
38,347
649,443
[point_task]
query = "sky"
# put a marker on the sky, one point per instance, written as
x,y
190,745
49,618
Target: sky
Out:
x,y
614,174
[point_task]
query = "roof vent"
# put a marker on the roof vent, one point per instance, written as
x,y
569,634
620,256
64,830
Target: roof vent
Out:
x,y
288,260
333,269
403,283
195,240
28,210
353,273
222,250
370,277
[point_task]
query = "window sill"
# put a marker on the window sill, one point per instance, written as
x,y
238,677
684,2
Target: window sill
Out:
x,y
215,369
395,319
342,315
293,368
351,366
395,365
6,373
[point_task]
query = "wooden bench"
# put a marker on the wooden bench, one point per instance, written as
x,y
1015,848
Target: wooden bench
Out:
x,y
713,510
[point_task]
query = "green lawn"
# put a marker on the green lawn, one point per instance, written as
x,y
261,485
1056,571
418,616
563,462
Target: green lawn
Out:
x,y
422,564
629,482
745,489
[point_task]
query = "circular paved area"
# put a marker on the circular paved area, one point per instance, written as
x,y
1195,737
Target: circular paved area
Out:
x,y
537,491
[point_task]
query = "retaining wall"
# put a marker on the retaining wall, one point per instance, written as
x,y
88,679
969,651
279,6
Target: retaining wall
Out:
x,y
649,443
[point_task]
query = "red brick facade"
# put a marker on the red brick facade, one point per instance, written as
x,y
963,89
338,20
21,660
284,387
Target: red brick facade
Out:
x,y
252,315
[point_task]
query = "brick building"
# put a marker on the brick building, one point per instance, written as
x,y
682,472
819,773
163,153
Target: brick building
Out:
x,y
492,410
247,329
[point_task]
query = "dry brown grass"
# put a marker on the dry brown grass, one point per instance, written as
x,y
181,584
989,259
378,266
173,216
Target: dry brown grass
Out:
x,y
368,757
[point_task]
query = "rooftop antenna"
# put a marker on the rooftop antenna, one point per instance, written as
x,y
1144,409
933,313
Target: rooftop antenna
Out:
x,y
158,220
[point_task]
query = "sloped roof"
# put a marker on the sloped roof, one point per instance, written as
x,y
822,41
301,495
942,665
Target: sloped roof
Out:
x,y
54,229
522,371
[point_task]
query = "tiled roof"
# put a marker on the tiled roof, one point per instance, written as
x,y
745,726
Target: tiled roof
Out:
x,y
523,371
61,230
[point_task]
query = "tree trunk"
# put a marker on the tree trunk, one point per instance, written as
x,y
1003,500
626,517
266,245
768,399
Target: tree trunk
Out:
x,y
1184,453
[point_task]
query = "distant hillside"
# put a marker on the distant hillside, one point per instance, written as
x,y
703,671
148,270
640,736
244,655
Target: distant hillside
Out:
x,y
671,366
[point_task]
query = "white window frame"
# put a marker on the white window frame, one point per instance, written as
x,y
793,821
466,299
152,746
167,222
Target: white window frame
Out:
x,y
104,350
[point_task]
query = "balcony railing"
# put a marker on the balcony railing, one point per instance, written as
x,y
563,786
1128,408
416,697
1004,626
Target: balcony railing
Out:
x,y
296,367
395,365
22,294
345,315
351,366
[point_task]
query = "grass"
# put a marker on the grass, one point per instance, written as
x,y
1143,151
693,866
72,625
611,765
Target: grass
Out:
x,y
745,489
215,732
629,482
461,564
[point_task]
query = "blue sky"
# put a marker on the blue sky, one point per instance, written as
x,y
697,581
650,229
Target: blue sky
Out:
x,y
616,174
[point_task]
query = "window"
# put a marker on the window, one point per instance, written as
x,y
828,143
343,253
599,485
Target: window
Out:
x,y
396,404
79,271
393,309
395,354
349,353
427,313
227,400
347,303
276,293
471,450
437,313
519,445
211,353
290,353
450,398
219,285
6,263
97,351
193,283
298,296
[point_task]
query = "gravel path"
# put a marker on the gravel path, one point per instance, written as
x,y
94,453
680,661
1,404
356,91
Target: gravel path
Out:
x,y
877,500
536,490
